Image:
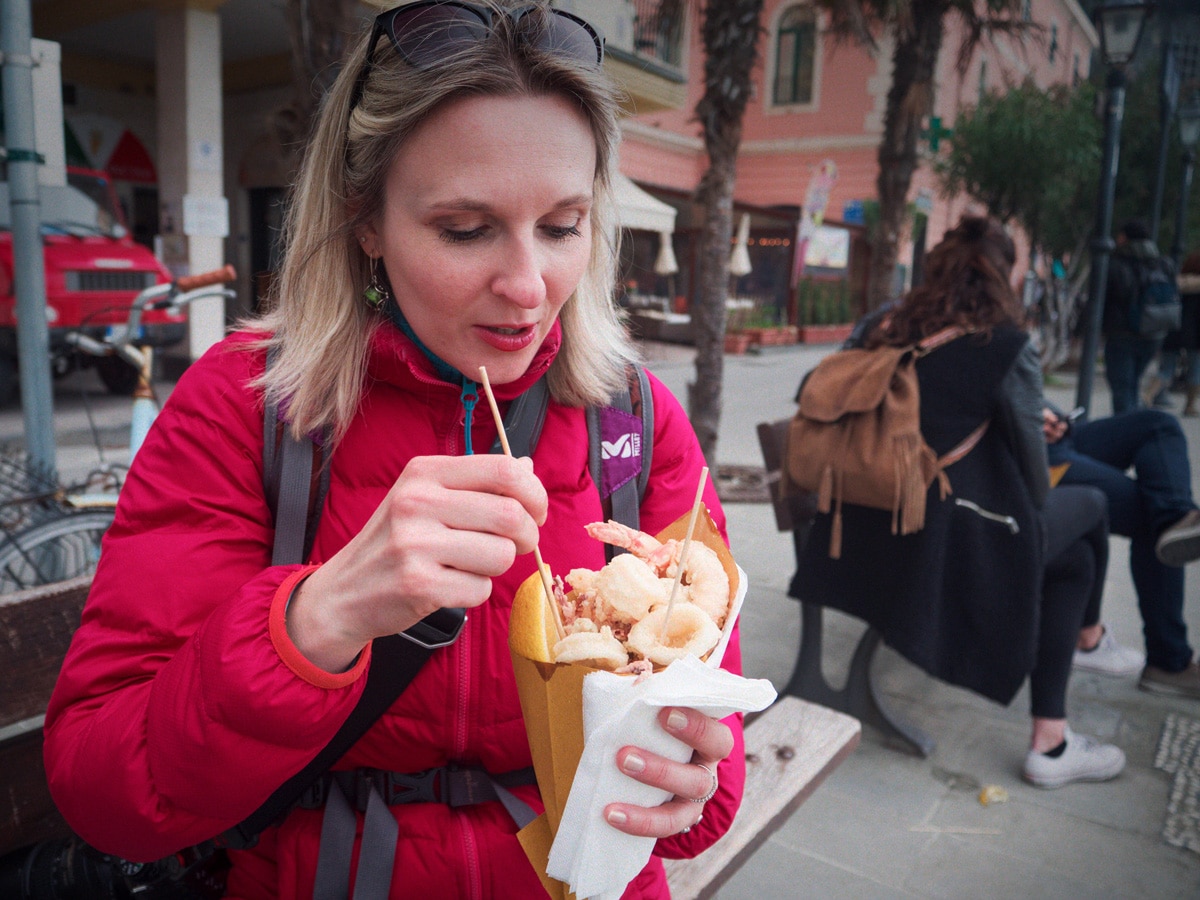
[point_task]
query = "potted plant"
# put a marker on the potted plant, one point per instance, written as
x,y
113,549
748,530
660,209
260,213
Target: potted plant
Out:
x,y
825,315
760,325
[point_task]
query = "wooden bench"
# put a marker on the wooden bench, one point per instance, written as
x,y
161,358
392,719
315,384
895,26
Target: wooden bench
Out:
x,y
790,747
35,630
859,696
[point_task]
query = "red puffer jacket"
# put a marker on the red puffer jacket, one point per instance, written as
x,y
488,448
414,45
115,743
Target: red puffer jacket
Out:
x,y
182,704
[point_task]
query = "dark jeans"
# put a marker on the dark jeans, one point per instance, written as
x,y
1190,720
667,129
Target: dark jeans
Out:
x,y
1139,508
1125,360
1076,525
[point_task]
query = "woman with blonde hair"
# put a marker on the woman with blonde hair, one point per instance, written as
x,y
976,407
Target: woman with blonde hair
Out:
x,y
454,211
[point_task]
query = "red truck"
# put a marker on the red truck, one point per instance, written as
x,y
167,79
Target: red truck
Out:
x,y
94,269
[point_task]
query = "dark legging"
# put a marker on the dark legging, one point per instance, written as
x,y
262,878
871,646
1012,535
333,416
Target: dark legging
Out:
x,y
1075,519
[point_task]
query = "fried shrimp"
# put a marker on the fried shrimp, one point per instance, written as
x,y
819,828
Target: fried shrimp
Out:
x,y
690,630
705,580
627,589
600,650
642,545
613,617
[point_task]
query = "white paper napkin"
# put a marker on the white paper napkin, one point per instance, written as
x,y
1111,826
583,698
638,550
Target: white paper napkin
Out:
x,y
591,856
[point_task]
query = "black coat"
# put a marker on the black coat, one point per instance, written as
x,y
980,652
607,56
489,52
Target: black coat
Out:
x,y
960,598
1188,335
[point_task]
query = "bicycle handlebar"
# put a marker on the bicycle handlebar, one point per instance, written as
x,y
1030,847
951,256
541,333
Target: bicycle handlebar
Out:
x,y
175,293
204,279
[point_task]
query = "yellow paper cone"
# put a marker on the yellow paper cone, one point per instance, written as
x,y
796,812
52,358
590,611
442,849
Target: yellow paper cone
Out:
x,y
552,697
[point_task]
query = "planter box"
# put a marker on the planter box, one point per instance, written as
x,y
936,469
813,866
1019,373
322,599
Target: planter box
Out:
x,y
737,342
825,334
773,336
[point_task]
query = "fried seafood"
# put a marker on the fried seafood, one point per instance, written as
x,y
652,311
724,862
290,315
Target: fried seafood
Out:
x,y
614,617
689,630
628,588
597,649
704,581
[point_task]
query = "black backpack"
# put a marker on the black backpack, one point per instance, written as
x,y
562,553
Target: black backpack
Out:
x,y
1155,309
295,480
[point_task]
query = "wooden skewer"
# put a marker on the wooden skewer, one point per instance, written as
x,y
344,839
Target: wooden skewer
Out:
x,y
547,585
683,552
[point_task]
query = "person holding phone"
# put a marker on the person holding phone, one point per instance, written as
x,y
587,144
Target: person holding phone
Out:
x,y
1154,508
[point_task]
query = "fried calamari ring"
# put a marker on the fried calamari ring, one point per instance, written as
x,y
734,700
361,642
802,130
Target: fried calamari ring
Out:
x,y
599,650
629,588
690,630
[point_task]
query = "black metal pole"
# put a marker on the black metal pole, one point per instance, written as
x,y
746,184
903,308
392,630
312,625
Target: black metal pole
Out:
x,y
1102,242
1181,209
1168,97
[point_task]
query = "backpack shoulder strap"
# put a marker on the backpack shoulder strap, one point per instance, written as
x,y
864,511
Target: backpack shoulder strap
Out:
x,y
621,447
295,482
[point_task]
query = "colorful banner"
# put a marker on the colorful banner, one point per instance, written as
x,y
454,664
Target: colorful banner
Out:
x,y
812,214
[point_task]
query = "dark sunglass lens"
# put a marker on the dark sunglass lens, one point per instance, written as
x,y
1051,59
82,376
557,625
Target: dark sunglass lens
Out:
x,y
564,35
426,34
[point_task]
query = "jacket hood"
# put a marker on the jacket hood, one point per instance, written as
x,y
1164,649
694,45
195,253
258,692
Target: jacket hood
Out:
x,y
395,359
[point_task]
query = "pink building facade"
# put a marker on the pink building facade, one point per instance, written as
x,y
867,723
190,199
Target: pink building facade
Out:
x,y
818,107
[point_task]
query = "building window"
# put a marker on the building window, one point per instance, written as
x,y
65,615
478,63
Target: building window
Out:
x,y
1053,52
982,80
795,57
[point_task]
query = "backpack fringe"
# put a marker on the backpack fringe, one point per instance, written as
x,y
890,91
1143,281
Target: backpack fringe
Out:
x,y
835,532
909,511
825,489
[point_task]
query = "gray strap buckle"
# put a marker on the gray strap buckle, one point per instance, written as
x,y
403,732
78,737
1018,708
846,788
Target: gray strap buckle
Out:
x,y
418,787
466,787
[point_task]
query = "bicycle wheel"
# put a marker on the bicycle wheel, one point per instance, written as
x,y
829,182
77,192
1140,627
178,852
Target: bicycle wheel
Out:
x,y
60,548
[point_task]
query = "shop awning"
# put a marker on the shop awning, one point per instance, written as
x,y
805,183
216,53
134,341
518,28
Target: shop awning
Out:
x,y
639,210
95,141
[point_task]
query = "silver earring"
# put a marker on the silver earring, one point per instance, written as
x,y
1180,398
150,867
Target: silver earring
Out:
x,y
375,293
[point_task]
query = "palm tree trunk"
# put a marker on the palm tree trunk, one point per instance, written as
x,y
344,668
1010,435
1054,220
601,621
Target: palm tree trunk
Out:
x,y
318,33
909,100
730,31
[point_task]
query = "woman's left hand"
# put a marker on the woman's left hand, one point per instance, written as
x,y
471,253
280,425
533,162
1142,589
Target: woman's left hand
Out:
x,y
693,783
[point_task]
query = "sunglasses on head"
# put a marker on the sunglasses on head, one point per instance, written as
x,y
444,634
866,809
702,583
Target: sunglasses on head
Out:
x,y
425,32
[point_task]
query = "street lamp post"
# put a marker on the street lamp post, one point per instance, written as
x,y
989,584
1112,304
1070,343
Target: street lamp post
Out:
x,y
1189,135
1120,26
1168,98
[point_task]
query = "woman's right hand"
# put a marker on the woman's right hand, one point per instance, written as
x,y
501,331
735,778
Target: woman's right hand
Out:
x,y
445,529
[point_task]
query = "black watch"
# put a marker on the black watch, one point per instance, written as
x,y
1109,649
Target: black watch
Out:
x,y
438,629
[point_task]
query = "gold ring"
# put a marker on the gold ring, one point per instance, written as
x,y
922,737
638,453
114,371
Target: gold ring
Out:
x,y
712,790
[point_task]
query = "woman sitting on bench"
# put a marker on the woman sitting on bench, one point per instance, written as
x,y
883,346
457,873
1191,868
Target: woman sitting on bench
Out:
x,y
1006,572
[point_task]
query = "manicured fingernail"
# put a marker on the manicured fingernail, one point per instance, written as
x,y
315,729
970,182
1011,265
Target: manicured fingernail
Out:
x,y
634,764
616,817
676,720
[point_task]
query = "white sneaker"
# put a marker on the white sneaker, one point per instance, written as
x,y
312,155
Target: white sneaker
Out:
x,y
1110,658
1083,759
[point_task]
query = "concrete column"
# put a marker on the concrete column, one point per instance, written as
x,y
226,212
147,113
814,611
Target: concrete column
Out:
x,y
193,213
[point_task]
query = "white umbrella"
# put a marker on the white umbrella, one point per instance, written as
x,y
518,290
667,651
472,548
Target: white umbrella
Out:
x,y
739,261
665,264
